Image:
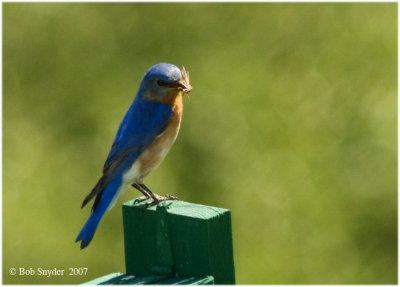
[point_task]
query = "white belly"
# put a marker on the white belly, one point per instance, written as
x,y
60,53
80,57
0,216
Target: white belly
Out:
x,y
140,169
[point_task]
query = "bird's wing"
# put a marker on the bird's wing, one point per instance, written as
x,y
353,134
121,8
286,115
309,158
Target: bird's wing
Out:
x,y
141,124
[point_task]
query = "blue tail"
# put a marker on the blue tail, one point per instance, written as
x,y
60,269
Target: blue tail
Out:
x,y
107,196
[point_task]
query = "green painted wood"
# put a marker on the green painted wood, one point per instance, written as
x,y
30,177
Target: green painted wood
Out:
x,y
122,279
101,279
207,280
180,239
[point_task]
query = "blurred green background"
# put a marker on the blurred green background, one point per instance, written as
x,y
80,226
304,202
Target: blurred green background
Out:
x,y
292,124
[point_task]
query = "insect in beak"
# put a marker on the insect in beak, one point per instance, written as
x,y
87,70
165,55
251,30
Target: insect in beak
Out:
x,y
184,83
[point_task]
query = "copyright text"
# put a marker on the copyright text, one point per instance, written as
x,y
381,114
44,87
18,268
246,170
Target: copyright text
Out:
x,y
48,272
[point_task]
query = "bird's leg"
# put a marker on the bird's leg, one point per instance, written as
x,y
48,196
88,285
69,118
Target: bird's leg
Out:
x,y
156,198
145,193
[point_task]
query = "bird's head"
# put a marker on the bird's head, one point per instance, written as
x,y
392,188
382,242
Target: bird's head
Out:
x,y
164,80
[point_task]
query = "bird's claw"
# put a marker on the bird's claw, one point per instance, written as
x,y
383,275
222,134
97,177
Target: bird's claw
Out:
x,y
157,199
171,197
140,199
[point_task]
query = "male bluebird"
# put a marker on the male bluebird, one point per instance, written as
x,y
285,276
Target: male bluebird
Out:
x,y
145,135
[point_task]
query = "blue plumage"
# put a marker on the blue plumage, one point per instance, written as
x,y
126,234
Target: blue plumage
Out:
x,y
142,122
151,112
88,230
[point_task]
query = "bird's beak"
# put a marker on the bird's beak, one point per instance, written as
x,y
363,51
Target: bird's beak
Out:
x,y
186,87
184,83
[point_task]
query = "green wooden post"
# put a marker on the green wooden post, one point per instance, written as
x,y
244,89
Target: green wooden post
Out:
x,y
179,238
175,243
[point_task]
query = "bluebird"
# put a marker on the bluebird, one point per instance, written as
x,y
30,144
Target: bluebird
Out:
x,y
145,135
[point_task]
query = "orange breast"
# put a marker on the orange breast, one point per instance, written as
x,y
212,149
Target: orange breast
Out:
x,y
158,149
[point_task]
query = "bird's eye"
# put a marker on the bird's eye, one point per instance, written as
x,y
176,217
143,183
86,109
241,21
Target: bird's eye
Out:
x,y
161,83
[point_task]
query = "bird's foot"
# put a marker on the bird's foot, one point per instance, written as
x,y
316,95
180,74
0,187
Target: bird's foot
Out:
x,y
158,198
141,199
